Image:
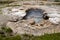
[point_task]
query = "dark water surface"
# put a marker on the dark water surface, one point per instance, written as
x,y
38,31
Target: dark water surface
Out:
x,y
36,14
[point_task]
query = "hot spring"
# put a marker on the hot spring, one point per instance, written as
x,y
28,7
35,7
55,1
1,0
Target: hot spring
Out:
x,y
36,14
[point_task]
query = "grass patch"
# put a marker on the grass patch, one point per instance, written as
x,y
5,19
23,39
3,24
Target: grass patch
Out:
x,y
55,36
17,37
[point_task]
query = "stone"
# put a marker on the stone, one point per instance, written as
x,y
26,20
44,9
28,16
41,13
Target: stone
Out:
x,y
13,13
54,16
55,20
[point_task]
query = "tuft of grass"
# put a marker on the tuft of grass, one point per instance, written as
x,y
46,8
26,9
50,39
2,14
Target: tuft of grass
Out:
x,y
7,30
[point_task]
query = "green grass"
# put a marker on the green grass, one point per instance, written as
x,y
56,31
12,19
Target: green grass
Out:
x,y
48,37
55,36
7,34
17,37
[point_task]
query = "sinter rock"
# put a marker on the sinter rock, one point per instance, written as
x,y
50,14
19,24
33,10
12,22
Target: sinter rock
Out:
x,y
13,13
